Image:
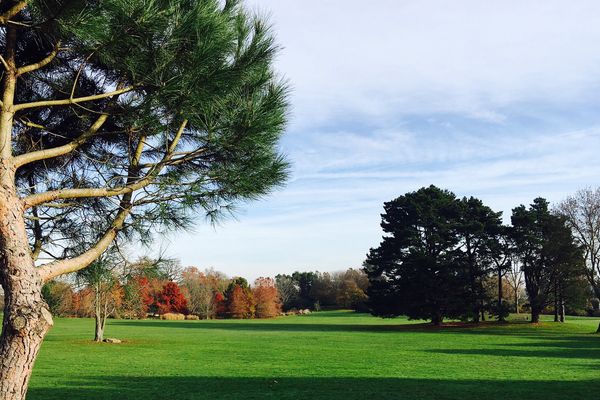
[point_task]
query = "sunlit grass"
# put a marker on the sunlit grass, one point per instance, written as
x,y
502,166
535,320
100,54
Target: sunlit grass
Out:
x,y
328,355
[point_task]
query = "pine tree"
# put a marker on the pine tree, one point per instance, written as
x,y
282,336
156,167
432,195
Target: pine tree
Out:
x,y
121,118
413,272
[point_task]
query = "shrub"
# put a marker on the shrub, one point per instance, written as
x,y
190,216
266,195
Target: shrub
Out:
x,y
173,317
192,317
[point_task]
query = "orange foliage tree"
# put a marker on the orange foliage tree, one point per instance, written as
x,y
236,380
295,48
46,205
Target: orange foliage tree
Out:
x,y
266,298
240,302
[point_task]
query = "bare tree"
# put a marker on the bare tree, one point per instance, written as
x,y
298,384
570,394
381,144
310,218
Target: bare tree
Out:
x,y
582,212
202,288
515,280
287,289
120,119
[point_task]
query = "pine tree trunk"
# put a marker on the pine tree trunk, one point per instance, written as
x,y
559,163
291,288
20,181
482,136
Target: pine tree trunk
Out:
x,y
26,316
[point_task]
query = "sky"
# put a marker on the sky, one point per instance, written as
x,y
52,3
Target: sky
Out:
x,y
498,101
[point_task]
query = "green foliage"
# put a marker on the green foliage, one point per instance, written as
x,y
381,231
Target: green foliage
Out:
x,y
551,259
59,297
304,281
417,269
206,62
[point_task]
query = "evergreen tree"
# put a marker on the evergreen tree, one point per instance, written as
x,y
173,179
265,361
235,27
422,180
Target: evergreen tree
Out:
x,y
549,256
476,230
414,270
121,118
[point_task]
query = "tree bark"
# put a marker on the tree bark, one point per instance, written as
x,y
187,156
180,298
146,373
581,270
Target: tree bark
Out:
x,y
99,335
26,315
535,315
436,319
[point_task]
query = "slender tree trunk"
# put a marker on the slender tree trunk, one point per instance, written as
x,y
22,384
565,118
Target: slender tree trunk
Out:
x,y
562,311
99,335
516,302
556,303
598,330
500,296
26,315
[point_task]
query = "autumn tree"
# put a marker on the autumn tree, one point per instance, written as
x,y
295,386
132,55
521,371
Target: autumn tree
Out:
x,y
133,304
59,297
171,299
266,298
119,118
240,301
201,288
350,295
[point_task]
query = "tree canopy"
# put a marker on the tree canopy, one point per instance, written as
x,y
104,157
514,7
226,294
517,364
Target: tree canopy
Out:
x,y
129,115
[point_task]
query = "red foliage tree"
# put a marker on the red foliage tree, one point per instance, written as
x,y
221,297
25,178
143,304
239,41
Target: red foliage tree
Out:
x,y
220,305
145,290
240,303
266,298
171,299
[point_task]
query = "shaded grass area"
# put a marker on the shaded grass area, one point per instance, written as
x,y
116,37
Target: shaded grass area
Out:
x,y
328,355
315,388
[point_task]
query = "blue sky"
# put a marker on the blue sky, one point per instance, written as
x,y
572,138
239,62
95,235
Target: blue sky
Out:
x,y
497,101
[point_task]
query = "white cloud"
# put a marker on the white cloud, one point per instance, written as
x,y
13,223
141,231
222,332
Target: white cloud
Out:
x,y
433,56
496,100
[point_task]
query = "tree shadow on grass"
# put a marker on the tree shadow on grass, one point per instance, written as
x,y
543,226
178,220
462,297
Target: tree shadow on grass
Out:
x,y
282,388
550,346
520,329
265,326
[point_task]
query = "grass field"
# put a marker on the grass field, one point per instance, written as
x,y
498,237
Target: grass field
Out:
x,y
328,355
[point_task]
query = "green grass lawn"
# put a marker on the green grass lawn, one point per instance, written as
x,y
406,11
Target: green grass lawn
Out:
x,y
328,355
